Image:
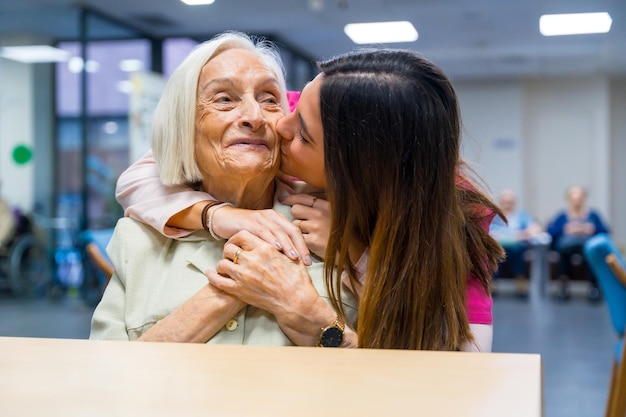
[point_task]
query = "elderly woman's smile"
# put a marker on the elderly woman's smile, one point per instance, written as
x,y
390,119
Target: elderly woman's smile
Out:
x,y
253,143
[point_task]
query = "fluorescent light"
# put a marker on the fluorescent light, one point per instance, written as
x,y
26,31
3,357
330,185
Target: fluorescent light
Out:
x,y
33,54
75,65
381,32
130,65
574,23
197,2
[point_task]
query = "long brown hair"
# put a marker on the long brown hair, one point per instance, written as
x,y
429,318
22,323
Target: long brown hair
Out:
x,y
392,143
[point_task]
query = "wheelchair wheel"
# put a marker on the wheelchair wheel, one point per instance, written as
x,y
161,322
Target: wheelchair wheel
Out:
x,y
30,270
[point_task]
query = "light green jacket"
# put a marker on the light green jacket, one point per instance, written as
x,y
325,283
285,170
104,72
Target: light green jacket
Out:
x,y
155,274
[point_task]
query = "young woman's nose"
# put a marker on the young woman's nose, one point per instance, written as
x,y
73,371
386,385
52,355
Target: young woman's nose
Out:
x,y
286,127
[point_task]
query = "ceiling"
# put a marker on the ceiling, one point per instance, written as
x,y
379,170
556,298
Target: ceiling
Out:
x,y
468,38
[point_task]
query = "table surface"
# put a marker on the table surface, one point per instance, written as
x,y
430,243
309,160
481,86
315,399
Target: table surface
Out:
x,y
65,377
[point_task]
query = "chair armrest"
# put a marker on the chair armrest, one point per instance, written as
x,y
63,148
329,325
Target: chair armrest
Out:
x,y
101,262
616,267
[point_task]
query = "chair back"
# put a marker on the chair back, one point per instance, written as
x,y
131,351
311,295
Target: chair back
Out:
x,y
596,250
96,242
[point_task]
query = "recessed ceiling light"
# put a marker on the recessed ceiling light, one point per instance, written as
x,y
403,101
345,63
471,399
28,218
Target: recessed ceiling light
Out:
x,y
574,23
33,54
197,2
381,32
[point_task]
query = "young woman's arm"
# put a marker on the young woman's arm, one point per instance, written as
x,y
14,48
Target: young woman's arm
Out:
x,y
178,211
142,196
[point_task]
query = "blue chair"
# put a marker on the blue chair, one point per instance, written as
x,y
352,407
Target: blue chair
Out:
x,y
607,263
96,242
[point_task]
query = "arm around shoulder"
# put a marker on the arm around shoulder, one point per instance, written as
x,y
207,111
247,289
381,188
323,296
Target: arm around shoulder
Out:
x,y
144,198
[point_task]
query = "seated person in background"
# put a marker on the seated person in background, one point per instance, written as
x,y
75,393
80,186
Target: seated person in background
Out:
x,y
570,228
515,237
214,130
7,224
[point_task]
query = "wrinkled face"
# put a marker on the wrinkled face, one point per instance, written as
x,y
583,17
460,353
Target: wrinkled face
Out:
x,y
303,138
238,105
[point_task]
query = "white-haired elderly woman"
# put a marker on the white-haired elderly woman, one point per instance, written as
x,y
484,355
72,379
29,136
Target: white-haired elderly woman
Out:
x,y
214,128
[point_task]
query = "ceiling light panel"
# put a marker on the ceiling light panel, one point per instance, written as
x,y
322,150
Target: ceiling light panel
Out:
x,y
197,2
574,23
381,32
33,54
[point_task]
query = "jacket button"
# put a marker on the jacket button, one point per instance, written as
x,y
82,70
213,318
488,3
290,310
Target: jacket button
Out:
x,y
231,325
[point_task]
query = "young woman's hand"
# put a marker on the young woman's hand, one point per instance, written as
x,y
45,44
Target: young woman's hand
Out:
x,y
268,225
312,216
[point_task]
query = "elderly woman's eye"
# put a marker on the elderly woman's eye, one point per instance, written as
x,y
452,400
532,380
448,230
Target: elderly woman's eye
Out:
x,y
270,99
223,99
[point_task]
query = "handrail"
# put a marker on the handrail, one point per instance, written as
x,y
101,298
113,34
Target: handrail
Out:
x,y
616,267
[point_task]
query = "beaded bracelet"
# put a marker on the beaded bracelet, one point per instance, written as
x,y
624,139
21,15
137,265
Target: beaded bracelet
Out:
x,y
205,209
209,223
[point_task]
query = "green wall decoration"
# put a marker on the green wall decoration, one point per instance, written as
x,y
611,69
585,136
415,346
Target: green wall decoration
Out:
x,y
22,154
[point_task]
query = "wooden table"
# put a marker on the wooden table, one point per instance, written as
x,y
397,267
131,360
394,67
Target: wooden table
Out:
x,y
74,378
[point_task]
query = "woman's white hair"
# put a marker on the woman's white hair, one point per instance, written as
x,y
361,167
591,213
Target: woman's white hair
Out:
x,y
173,127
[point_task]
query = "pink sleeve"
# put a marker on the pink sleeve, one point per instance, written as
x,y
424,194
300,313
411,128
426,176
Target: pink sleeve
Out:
x,y
144,198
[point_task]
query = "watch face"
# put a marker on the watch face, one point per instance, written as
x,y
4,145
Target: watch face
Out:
x,y
331,337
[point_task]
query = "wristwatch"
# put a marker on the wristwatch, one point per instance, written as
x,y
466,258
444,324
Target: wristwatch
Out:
x,y
332,336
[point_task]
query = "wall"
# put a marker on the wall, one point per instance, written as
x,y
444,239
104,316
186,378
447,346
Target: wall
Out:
x,y
17,125
618,160
493,139
567,128
539,136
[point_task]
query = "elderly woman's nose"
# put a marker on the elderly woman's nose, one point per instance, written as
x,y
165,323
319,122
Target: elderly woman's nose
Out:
x,y
252,114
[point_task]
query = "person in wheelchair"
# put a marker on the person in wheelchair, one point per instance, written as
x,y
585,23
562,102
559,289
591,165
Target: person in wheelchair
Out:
x,y
7,225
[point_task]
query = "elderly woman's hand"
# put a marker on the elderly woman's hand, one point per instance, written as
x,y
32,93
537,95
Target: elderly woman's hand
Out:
x,y
256,273
269,225
312,217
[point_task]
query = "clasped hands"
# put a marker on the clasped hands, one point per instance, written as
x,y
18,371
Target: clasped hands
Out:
x,y
259,272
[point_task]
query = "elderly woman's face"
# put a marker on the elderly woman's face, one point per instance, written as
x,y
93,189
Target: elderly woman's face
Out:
x,y
238,105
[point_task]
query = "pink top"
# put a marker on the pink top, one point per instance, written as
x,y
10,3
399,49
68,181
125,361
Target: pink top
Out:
x,y
479,301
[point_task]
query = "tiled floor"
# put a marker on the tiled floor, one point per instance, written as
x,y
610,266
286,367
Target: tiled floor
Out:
x,y
575,340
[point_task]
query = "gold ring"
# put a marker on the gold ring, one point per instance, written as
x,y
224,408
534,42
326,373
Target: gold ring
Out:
x,y
299,223
236,257
314,200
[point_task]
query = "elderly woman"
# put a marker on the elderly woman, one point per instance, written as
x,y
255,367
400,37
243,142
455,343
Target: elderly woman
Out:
x,y
214,129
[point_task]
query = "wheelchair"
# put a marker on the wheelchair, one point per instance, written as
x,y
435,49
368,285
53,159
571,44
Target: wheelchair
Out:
x,y
25,263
